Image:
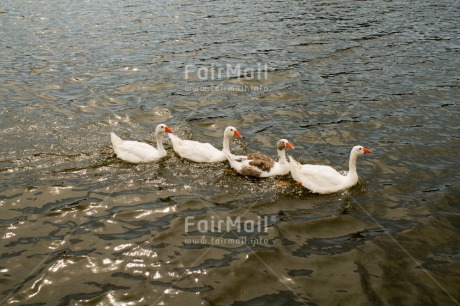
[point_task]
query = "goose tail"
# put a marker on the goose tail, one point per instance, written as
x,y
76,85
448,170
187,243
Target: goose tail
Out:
x,y
116,141
175,140
293,163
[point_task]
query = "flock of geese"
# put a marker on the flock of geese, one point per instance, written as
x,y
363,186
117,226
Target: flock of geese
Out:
x,y
317,178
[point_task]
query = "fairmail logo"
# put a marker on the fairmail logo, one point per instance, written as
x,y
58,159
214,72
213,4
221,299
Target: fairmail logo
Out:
x,y
219,72
228,224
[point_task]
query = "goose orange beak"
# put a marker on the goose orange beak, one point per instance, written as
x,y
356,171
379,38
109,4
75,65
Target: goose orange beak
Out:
x,y
168,130
289,146
366,150
236,134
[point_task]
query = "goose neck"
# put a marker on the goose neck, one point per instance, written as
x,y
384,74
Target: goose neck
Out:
x,y
159,140
282,156
226,144
352,165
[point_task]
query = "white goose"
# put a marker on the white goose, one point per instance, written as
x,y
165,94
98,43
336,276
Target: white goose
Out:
x,y
139,152
324,179
203,152
260,165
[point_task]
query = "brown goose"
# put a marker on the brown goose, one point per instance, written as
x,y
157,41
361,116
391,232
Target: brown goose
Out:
x,y
260,165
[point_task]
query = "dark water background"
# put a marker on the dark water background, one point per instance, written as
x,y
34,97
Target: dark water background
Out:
x,y
78,226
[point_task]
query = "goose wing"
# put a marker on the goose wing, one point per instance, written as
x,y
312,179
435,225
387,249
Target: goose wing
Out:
x,y
196,151
261,161
136,152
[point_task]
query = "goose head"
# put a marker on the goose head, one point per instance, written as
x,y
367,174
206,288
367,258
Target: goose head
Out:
x,y
230,131
283,144
163,128
360,150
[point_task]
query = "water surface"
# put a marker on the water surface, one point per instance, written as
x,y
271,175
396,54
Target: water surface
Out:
x,y
80,227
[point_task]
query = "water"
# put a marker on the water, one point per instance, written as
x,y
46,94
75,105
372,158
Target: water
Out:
x,y
78,226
